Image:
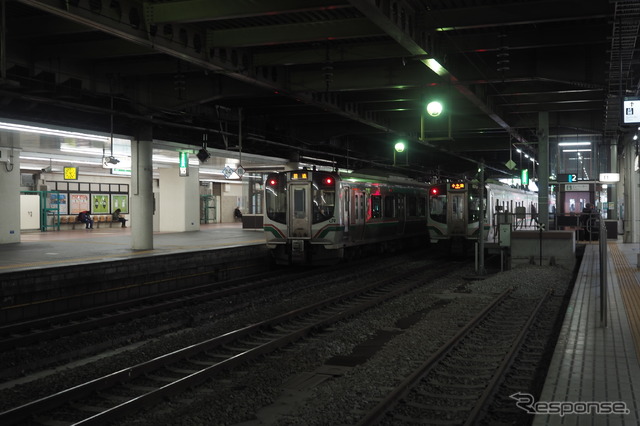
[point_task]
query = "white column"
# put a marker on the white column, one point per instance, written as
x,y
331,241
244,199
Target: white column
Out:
x,y
142,203
543,170
179,200
9,195
631,197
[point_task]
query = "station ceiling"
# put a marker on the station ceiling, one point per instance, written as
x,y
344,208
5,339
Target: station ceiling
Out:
x,y
327,81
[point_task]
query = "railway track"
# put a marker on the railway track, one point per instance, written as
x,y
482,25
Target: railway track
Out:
x,y
107,398
455,385
48,328
56,326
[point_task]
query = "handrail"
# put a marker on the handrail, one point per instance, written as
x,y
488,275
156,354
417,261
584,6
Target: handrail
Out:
x,y
603,273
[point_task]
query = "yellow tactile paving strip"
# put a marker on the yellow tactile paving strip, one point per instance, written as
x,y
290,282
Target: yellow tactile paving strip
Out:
x,y
630,290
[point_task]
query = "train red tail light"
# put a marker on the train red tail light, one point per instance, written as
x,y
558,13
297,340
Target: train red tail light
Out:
x,y
272,182
327,181
434,191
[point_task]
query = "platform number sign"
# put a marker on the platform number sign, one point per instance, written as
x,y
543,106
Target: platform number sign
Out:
x,y
569,178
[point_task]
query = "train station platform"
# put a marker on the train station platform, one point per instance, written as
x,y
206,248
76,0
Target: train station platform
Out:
x,y
594,376
82,246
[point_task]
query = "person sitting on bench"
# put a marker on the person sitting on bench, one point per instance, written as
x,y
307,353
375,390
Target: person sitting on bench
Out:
x,y
116,217
85,217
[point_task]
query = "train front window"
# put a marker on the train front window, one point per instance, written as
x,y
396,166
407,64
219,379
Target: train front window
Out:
x,y
438,204
324,197
276,198
299,202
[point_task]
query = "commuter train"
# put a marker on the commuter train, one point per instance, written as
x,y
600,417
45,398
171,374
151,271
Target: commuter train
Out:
x,y
318,217
454,211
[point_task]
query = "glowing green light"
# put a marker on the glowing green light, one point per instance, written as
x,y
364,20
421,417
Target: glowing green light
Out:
x,y
434,108
399,146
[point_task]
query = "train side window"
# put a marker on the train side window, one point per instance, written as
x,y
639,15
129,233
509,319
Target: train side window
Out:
x,y
421,206
412,206
390,206
376,206
474,209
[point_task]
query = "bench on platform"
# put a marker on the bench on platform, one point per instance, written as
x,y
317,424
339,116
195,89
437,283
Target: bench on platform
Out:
x,y
71,221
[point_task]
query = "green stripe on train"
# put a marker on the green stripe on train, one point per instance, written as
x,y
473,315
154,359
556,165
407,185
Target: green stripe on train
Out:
x,y
273,230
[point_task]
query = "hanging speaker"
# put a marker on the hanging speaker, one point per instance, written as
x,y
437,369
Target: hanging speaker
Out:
x,y
203,155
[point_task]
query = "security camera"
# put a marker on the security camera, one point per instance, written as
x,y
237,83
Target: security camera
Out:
x,y
46,169
110,160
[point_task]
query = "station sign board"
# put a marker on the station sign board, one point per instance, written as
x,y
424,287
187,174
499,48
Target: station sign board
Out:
x,y
609,177
631,110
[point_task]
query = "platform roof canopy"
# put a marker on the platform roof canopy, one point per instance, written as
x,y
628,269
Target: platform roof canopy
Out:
x,y
332,82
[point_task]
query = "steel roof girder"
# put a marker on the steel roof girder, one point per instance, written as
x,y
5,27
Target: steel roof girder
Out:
x,y
175,48
293,33
207,10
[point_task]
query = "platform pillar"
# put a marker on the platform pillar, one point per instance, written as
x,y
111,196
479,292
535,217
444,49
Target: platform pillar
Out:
x,y
9,191
543,170
631,194
179,200
142,203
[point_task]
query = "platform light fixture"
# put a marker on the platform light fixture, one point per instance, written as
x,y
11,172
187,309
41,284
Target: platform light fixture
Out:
x,y
434,108
400,147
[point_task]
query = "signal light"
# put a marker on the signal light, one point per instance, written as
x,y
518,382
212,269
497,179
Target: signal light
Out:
x,y
434,191
273,182
328,181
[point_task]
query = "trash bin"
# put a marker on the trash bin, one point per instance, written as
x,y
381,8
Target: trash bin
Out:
x,y
612,229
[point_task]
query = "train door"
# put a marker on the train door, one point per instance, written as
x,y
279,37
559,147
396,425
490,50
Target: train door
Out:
x,y
346,209
400,212
357,218
300,211
457,213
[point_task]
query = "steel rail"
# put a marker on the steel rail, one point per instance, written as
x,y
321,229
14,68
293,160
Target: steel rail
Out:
x,y
505,364
376,414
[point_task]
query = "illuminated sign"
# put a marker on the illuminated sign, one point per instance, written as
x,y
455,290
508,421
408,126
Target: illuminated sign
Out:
x,y
299,175
524,176
70,173
609,177
458,185
571,177
577,187
183,167
631,110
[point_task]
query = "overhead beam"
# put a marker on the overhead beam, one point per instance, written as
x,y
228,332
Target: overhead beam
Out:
x,y
207,10
492,16
109,22
335,53
293,33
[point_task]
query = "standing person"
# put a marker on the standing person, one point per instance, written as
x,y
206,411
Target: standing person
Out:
x,y
118,218
534,214
85,217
